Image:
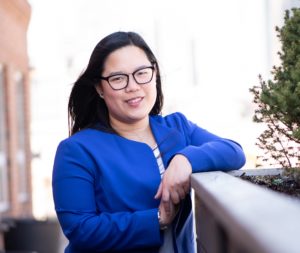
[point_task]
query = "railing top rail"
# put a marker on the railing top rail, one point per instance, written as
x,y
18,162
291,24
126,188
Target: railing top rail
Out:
x,y
255,216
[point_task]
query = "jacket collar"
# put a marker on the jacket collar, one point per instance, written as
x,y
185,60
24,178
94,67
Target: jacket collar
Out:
x,y
169,139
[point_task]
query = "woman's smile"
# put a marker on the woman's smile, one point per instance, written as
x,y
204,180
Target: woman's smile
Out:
x,y
135,102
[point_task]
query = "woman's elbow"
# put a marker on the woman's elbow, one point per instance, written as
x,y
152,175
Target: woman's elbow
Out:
x,y
238,159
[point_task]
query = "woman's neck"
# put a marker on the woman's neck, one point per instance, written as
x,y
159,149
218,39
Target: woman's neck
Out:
x,y
138,131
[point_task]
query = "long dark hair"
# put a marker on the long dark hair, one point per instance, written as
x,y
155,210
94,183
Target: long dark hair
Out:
x,y
85,108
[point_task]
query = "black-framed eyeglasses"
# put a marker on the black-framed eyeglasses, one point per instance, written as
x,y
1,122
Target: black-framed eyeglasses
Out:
x,y
120,81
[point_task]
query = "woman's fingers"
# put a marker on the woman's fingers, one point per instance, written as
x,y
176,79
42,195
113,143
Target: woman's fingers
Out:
x,y
176,180
159,192
175,184
167,216
168,191
166,200
177,195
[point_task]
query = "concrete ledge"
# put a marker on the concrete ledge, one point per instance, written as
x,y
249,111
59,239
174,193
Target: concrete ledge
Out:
x,y
243,217
256,172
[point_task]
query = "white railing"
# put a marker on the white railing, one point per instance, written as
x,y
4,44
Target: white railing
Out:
x,y
235,216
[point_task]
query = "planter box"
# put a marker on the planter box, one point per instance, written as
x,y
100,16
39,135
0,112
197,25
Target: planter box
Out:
x,y
30,235
233,215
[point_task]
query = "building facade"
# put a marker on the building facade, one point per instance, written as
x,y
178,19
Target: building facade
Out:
x,y
15,154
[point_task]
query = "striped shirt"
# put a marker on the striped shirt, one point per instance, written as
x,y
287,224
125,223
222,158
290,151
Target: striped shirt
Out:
x,y
167,246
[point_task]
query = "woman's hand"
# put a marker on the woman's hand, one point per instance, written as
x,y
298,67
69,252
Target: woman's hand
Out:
x,y
167,216
175,184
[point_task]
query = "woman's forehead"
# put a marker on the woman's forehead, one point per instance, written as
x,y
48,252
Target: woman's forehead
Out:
x,y
126,58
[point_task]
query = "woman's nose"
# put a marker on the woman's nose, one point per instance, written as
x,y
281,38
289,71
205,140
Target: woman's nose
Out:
x,y
132,84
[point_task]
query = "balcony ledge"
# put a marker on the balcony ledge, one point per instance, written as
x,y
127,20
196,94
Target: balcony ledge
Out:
x,y
233,215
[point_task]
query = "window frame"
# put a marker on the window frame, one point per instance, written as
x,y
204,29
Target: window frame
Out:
x,y
4,185
21,161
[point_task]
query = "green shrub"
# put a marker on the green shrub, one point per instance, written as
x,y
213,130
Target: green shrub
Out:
x,y
278,100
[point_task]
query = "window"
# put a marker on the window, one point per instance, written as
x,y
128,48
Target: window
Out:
x,y
3,146
21,147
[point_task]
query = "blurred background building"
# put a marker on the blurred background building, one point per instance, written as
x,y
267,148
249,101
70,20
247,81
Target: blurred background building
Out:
x,y
15,153
210,54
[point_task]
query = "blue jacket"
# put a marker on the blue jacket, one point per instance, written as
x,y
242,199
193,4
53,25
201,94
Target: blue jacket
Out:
x,y
104,185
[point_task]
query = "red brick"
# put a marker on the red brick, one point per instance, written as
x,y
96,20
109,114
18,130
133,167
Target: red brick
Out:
x,y
14,20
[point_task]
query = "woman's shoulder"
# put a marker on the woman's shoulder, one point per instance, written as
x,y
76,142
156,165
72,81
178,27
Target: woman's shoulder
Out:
x,y
80,135
176,121
172,119
83,136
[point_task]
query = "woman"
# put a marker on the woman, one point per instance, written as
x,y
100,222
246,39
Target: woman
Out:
x,y
121,181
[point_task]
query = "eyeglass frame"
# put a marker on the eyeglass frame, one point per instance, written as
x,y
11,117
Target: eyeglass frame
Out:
x,y
128,76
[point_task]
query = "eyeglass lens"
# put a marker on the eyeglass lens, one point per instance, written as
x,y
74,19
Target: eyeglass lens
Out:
x,y
141,76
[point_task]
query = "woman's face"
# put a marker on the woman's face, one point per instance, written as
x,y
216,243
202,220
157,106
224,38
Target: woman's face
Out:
x,y
133,103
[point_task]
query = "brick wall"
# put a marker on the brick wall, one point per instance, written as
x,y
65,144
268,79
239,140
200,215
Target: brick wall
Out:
x,y
14,21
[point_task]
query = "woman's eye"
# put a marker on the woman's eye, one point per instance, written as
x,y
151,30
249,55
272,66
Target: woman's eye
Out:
x,y
117,78
142,72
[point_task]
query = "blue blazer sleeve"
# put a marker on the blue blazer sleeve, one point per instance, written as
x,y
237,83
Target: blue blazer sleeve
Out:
x,y
207,151
85,226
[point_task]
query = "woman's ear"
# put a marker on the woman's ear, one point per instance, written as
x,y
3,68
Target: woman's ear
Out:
x,y
99,90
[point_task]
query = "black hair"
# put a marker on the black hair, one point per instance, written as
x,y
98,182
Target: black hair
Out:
x,y
85,108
